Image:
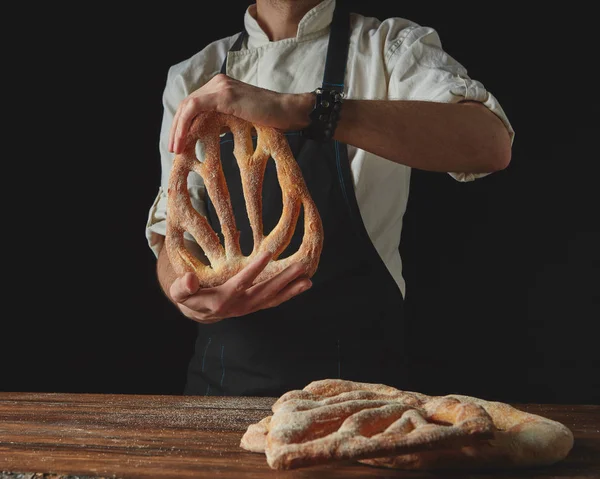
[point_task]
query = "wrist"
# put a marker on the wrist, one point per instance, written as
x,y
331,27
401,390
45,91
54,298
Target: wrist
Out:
x,y
324,115
299,105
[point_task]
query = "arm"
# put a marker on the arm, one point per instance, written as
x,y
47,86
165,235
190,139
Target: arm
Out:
x,y
426,135
458,137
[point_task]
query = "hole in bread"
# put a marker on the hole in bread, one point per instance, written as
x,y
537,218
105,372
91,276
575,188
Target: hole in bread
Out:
x,y
199,150
271,202
234,186
193,247
296,240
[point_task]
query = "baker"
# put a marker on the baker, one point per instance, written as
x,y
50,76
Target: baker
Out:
x,y
361,101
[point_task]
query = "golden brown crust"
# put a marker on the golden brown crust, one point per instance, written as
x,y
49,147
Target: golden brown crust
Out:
x,y
378,425
227,260
255,437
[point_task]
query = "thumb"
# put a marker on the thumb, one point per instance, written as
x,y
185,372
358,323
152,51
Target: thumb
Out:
x,y
184,287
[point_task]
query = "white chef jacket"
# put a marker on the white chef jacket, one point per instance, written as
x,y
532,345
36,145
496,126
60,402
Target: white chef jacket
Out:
x,y
393,59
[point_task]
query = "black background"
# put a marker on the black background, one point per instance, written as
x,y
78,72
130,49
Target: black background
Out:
x,y
502,273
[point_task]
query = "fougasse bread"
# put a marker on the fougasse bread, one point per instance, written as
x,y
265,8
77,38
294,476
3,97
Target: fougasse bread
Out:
x,y
227,259
332,420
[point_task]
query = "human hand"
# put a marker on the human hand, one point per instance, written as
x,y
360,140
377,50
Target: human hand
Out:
x,y
259,106
238,296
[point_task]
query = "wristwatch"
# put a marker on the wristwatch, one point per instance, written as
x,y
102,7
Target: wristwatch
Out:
x,y
325,114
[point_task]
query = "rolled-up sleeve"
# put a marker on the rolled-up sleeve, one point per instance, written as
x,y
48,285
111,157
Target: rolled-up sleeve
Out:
x,y
421,70
175,91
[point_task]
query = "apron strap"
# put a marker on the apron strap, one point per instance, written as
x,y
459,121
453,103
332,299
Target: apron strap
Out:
x,y
337,49
236,46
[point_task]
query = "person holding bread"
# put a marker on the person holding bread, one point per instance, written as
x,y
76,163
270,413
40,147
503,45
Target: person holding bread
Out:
x,y
361,102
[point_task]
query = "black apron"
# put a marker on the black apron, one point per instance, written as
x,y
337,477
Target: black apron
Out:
x,y
350,324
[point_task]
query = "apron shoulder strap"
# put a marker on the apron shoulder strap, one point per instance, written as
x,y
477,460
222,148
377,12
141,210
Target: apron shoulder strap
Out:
x,y
236,46
337,49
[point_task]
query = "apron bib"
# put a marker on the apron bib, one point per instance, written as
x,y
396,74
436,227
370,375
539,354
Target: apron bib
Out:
x,y
350,324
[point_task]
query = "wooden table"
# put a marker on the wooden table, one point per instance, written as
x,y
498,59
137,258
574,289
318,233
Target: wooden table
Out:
x,y
56,435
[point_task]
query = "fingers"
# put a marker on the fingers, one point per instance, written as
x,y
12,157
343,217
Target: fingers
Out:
x,y
202,99
187,112
204,317
244,279
294,288
238,296
227,95
181,124
173,130
184,287
272,292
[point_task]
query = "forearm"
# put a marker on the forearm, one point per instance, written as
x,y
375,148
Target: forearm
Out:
x,y
463,137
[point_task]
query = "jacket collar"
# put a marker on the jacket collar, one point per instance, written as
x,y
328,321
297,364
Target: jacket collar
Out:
x,y
313,24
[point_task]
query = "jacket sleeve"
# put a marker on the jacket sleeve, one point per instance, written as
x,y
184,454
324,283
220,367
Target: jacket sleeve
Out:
x,y
421,70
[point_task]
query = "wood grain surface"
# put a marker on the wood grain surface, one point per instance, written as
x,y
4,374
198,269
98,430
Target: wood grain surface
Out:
x,y
59,436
